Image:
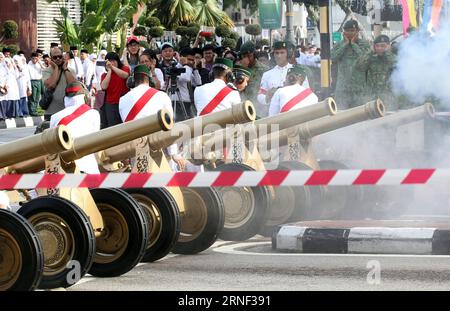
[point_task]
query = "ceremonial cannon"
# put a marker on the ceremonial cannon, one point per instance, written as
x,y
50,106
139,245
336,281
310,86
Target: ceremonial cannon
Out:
x,y
21,252
247,208
185,220
100,231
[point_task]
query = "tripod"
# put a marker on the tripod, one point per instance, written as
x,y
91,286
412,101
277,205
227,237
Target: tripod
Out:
x,y
174,93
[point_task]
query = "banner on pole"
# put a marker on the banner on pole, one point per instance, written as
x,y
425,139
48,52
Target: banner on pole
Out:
x,y
270,12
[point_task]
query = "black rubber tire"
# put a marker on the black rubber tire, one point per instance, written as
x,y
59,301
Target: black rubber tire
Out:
x,y
352,206
259,216
79,224
214,224
171,222
137,229
305,198
30,248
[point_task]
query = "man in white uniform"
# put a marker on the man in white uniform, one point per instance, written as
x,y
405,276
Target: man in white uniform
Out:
x,y
81,120
293,95
143,101
217,95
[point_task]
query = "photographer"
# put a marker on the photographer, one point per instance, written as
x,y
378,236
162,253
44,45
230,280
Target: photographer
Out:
x,y
184,80
56,77
167,54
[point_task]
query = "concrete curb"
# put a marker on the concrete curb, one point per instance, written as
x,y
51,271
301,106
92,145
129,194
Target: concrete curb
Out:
x,y
362,240
21,122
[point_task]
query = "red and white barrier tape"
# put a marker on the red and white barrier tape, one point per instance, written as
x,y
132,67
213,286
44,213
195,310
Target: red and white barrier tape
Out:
x,y
228,178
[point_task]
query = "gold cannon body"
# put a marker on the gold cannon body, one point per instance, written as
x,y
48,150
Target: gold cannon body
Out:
x,y
22,260
104,230
185,220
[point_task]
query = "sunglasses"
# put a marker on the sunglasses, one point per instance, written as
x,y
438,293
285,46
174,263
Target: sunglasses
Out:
x,y
57,57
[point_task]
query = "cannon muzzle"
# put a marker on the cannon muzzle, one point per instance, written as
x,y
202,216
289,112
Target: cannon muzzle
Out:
x,y
50,141
242,113
372,110
405,116
101,140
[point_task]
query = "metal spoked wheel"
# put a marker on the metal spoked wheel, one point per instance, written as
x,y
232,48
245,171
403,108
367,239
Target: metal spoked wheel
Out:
x,y
21,254
162,212
66,236
203,220
246,208
122,244
290,203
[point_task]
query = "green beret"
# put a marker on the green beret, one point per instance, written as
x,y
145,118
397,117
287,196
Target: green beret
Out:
x,y
242,69
142,69
298,70
224,63
351,24
75,88
247,47
280,45
381,39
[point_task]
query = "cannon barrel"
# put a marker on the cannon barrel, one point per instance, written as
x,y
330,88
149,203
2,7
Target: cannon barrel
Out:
x,y
283,120
372,110
404,116
50,141
241,113
103,139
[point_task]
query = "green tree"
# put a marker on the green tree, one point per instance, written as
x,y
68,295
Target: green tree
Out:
x,y
9,31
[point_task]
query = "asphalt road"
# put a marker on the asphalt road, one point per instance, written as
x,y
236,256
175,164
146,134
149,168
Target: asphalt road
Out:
x,y
13,134
229,266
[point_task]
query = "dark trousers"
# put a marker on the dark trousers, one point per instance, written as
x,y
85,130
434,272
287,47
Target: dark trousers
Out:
x,y
109,115
37,88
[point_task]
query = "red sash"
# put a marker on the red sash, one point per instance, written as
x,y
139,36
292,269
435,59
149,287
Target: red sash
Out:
x,y
77,113
296,100
141,103
216,100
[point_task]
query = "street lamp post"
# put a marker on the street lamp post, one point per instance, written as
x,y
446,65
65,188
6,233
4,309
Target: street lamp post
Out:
x,y
289,21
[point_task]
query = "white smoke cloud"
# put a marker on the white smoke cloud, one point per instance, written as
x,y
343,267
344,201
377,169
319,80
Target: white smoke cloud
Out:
x,y
423,67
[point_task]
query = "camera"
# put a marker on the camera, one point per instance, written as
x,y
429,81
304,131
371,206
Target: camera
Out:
x,y
173,71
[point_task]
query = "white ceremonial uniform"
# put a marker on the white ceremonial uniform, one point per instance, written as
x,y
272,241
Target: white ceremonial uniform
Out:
x,y
204,94
158,101
272,79
290,98
86,123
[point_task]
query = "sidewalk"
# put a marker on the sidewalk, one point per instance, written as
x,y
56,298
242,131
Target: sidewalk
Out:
x,y
21,122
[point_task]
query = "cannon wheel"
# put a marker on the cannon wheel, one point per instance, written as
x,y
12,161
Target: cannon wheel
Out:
x,y
122,245
203,221
246,208
341,202
67,238
162,213
291,203
21,254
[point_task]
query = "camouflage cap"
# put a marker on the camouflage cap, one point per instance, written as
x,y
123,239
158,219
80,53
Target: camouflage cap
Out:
x,y
298,70
351,24
381,39
142,69
247,48
75,88
280,45
242,69
224,63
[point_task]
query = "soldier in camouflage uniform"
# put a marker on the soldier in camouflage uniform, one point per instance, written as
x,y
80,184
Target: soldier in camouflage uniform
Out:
x,y
377,66
247,55
345,54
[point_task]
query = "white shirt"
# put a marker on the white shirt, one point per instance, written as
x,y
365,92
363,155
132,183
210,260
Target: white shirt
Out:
x,y
87,123
160,76
11,82
205,93
284,95
35,70
301,59
272,79
3,78
89,72
99,71
4,199
77,66
159,101
192,76
23,81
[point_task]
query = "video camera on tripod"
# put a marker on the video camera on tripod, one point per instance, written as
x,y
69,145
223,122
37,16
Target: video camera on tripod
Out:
x,y
172,71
